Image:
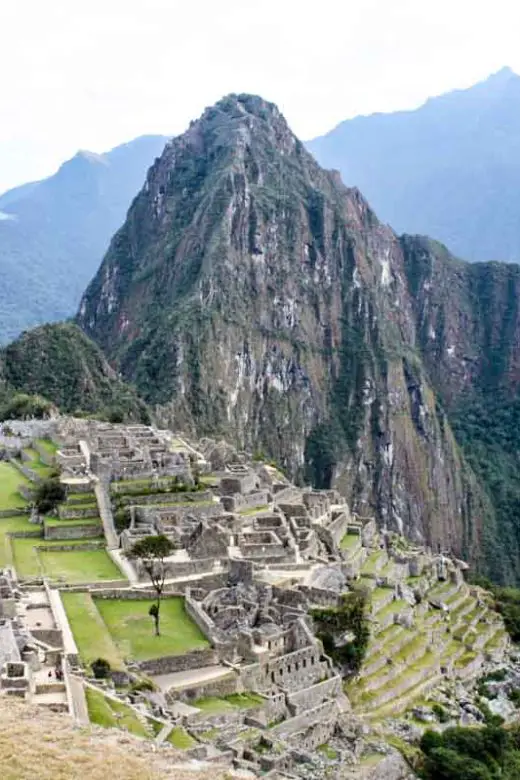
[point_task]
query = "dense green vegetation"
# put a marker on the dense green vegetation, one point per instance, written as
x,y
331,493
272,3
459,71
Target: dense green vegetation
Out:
x,y
488,428
57,365
507,602
488,753
332,623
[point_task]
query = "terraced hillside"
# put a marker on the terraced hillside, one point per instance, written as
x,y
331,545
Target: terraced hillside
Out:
x,y
425,629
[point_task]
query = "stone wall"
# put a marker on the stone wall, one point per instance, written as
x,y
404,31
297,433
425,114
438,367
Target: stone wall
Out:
x,y
46,457
238,484
169,499
50,636
292,671
224,686
338,528
65,531
77,512
25,470
314,695
180,663
320,714
176,568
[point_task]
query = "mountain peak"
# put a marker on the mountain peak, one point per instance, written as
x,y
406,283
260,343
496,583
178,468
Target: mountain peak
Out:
x,y
504,74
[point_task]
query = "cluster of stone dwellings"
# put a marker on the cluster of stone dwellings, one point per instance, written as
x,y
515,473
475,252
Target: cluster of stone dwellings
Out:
x,y
119,452
253,554
32,662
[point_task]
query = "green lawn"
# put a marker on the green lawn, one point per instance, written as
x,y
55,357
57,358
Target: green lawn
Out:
x,y
350,542
179,738
214,704
36,464
53,522
49,446
254,510
73,566
10,480
12,525
89,630
132,630
113,714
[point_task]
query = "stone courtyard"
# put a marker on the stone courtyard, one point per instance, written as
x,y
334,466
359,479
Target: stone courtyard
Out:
x,y
239,675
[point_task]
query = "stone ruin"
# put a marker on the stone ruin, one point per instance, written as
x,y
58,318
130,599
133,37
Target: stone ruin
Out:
x,y
253,554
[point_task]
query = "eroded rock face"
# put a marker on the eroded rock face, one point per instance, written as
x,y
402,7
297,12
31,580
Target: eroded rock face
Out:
x,y
250,294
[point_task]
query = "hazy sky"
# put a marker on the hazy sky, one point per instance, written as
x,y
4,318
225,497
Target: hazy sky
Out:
x,y
93,73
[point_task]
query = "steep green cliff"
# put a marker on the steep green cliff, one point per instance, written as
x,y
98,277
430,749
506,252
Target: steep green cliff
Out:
x,y
59,363
251,294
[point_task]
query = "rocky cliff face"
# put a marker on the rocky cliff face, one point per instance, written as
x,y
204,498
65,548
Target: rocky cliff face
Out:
x,y
251,294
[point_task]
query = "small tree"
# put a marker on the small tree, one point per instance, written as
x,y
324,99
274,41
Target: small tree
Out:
x,y
152,550
49,494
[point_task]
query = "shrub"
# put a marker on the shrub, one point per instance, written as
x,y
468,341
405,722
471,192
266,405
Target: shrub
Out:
x,y
100,668
49,494
440,713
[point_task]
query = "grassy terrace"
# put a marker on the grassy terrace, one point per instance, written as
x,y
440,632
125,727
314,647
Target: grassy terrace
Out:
x,y
215,704
106,712
350,542
89,630
10,480
9,525
374,562
49,446
131,628
53,522
35,464
179,738
72,566
255,510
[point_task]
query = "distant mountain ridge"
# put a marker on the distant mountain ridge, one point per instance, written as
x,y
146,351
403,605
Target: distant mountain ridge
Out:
x,y
54,232
449,169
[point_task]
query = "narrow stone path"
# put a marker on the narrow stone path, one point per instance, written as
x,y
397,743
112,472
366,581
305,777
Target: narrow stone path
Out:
x,y
79,701
105,512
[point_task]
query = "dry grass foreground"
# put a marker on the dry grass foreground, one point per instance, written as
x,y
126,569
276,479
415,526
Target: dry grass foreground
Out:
x,y
37,743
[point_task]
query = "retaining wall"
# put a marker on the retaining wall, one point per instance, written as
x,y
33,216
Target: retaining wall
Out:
x,y
180,663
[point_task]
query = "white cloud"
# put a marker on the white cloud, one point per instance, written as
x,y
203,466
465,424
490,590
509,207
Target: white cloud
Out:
x,y
93,73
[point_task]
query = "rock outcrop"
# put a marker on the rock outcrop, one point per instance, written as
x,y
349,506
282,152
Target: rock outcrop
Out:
x,y
251,295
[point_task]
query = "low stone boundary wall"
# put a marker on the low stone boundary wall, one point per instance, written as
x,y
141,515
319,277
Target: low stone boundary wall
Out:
x,y
36,534
26,491
77,513
14,512
25,470
131,594
176,568
179,663
71,547
119,587
169,498
64,531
